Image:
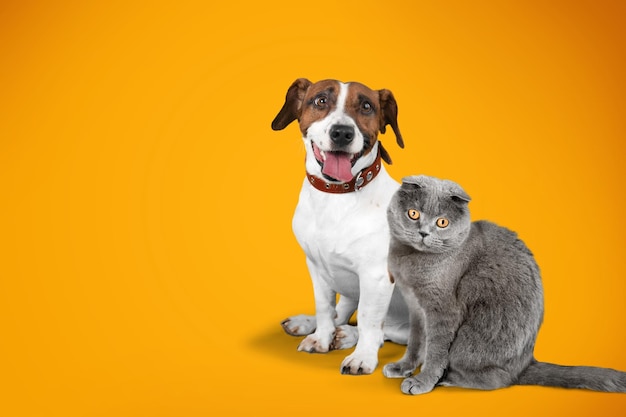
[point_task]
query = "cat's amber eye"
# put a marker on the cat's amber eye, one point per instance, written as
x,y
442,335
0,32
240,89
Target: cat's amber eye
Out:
x,y
443,222
414,214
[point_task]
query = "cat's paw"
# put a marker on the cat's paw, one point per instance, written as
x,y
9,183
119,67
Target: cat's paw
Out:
x,y
314,344
346,337
300,325
416,386
358,365
398,369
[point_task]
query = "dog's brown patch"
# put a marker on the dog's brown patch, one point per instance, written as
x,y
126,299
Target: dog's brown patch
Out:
x,y
363,105
327,90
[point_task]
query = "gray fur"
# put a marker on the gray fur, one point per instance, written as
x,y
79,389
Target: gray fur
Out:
x,y
475,298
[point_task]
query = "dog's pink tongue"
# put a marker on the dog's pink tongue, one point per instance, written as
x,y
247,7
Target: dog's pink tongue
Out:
x,y
338,165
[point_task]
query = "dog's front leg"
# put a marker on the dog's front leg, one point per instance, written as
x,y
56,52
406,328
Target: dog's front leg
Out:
x,y
325,313
375,297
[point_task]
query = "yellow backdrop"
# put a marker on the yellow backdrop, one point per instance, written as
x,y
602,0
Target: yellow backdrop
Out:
x,y
146,252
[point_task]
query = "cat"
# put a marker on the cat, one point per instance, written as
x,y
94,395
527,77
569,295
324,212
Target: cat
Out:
x,y
475,298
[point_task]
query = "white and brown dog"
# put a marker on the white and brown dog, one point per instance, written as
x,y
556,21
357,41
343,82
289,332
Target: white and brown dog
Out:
x,y
340,221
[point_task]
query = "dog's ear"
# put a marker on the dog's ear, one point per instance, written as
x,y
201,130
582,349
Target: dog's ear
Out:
x,y
293,104
384,154
389,114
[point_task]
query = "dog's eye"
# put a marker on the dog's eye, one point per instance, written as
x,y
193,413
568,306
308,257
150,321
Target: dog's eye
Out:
x,y
366,107
442,222
414,214
320,102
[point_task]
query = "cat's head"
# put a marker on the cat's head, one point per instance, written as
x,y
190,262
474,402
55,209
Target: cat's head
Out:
x,y
429,214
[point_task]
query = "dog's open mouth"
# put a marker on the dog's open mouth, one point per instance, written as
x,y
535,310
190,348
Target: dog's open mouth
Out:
x,y
336,165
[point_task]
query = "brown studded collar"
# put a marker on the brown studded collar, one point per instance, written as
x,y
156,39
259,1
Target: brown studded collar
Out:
x,y
359,181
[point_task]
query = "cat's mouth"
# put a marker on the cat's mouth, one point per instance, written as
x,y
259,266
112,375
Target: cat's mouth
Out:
x,y
336,165
421,244
427,244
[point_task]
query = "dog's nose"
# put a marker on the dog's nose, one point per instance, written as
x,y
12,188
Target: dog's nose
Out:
x,y
342,134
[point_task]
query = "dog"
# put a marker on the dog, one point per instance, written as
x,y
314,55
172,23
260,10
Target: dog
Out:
x,y
340,220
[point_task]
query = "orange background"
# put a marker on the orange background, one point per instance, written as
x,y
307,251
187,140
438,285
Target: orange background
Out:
x,y
146,252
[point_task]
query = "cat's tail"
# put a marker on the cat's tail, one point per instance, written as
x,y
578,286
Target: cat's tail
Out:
x,y
585,377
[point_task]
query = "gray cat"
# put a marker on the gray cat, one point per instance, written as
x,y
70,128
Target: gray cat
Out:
x,y
475,298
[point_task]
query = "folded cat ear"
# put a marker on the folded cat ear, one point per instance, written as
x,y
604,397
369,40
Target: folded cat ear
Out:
x,y
464,199
420,181
457,193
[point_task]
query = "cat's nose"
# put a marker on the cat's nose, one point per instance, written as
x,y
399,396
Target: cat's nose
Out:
x,y
424,234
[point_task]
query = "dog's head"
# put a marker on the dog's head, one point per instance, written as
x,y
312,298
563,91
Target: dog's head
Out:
x,y
340,121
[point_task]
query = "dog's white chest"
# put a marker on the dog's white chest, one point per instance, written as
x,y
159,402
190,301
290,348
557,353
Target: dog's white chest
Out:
x,y
343,234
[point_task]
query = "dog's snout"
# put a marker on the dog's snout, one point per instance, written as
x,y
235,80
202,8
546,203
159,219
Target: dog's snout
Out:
x,y
342,134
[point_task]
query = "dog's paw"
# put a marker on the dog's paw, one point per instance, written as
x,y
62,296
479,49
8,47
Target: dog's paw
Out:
x,y
416,386
346,337
358,365
313,344
398,369
300,325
